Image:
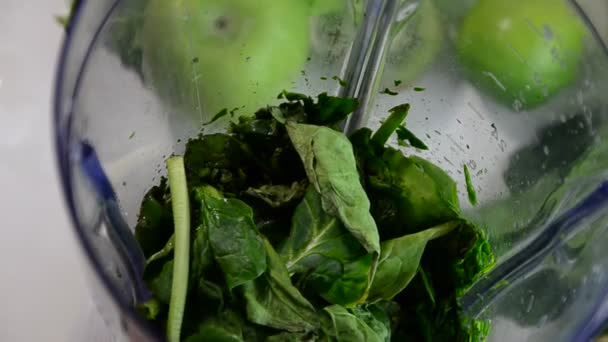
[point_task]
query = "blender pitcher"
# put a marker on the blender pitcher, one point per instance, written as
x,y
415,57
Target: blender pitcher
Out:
x,y
514,90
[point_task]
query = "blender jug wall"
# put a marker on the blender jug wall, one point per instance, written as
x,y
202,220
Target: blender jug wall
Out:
x,y
539,170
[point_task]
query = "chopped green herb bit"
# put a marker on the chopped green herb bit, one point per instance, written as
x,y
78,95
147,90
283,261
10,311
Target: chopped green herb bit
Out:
x,y
397,83
219,115
389,92
340,81
405,137
470,189
419,89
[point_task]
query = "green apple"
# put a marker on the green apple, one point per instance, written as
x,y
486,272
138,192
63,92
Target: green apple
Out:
x,y
415,45
323,7
521,51
206,55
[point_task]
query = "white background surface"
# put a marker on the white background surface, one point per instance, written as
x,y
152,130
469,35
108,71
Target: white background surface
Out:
x,y
42,286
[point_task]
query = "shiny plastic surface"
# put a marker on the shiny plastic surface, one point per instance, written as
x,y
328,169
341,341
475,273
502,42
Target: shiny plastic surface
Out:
x,y
540,172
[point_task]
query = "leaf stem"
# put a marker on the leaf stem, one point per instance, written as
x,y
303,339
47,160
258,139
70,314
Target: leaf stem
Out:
x,y
181,219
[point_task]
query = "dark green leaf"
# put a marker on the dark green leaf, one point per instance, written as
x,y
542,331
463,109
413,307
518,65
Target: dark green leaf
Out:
x,y
330,165
330,110
233,238
400,260
419,89
397,83
337,266
225,327
223,161
376,318
269,141
273,301
340,325
279,195
291,337
405,136
470,189
158,278
315,235
405,188
342,282
290,96
155,224
201,256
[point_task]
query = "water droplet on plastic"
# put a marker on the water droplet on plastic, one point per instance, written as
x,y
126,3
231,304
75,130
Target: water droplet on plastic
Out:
x,y
517,105
546,150
530,304
543,320
502,145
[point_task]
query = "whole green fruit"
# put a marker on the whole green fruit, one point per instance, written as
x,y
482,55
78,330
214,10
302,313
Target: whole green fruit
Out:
x,y
521,51
206,55
415,45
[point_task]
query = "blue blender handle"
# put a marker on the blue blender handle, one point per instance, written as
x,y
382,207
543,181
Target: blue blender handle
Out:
x,y
119,232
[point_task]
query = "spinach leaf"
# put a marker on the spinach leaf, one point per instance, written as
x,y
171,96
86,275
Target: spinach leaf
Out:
x,y
225,327
158,277
376,318
291,337
223,161
279,195
234,240
200,259
340,325
314,235
155,223
400,260
455,261
335,264
342,282
451,264
270,143
331,110
327,111
272,300
405,188
330,165
201,256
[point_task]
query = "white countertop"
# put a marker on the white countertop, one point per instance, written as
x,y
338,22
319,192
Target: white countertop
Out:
x,y
42,287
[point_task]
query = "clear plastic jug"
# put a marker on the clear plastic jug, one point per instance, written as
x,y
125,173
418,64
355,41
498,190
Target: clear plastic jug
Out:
x,y
537,150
